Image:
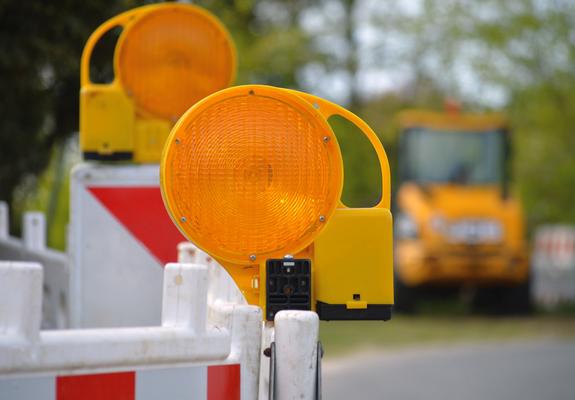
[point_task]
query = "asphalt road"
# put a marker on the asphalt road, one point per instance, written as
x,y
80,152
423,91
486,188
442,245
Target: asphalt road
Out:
x,y
543,370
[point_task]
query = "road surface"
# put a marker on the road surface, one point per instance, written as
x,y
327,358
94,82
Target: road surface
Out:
x,y
543,370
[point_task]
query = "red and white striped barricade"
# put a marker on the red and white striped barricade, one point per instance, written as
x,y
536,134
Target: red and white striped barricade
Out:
x,y
200,351
120,238
554,265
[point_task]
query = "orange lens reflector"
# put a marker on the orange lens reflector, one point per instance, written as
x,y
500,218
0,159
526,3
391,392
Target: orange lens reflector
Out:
x,y
251,172
172,57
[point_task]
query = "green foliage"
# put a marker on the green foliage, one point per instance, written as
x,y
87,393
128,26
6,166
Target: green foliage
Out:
x,y
49,193
521,48
40,47
271,45
534,42
362,185
544,121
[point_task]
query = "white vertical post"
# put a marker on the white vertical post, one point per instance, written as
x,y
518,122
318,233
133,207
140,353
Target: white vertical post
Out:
x,y
221,284
185,296
296,337
20,299
246,342
4,220
34,230
187,252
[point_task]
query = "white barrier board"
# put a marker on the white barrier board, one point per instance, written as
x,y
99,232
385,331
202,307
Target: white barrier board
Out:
x,y
220,382
120,237
554,265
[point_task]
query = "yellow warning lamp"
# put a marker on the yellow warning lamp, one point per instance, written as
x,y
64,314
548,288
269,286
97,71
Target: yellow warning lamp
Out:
x,y
253,175
167,57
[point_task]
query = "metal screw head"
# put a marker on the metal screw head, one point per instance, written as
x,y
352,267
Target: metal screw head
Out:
x,y
316,106
326,139
183,219
178,141
252,257
322,218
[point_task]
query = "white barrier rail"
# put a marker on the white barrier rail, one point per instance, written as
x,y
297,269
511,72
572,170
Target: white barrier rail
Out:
x,y
187,336
206,323
32,247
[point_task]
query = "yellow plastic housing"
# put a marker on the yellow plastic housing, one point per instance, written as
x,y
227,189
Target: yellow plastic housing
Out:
x,y
353,264
104,111
255,172
167,57
352,260
251,173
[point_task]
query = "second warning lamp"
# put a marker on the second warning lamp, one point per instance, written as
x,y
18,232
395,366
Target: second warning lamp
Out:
x,y
167,57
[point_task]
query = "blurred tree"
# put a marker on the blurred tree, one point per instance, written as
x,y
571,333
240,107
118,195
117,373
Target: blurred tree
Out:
x,y
518,54
271,45
543,117
40,47
521,50
534,45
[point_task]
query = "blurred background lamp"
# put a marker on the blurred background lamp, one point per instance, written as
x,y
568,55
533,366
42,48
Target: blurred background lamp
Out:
x,y
167,57
253,175
173,57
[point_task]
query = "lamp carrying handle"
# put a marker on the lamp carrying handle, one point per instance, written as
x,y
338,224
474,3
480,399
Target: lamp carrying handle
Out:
x,y
121,21
328,109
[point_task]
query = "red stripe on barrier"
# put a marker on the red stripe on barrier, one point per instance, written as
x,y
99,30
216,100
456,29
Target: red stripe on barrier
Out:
x,y
114,386
141,210
224,382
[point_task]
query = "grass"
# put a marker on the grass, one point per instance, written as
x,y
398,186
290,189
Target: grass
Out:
x,y
340,337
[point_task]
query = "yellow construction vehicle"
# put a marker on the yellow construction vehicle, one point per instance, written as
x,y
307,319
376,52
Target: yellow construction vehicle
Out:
x,y
456,222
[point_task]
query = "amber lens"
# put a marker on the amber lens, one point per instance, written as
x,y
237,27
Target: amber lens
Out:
x,y
251,172
172,57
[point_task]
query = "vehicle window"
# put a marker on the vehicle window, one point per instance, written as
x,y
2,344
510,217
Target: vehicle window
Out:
x,y
453,157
